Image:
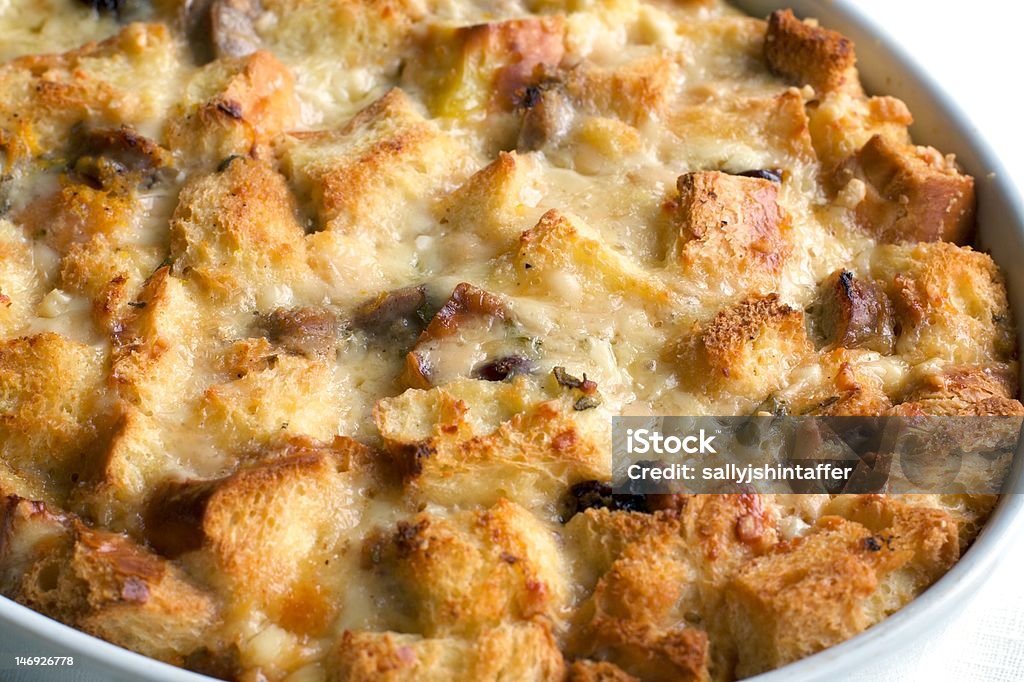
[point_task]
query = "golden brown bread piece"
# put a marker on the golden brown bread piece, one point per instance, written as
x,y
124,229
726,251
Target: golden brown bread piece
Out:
x,y
266,535
661,580
679,653
76,212
110,274
50,402
485,66
847,387
909,193
235,232
269,528
598,671
841,125
152,345
559,245
473,571
727,221
746,349
477,441
491,201
19,289
971,512
125,471
965,390
632,616
112,82
809,54
601,535
941,294
924,540
967,383
765,131
234,105
789,603
101,582
292,395
352,176
368,36
490,657
635,92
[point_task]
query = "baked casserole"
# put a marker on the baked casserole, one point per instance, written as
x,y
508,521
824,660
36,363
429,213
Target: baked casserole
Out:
x,y
314,315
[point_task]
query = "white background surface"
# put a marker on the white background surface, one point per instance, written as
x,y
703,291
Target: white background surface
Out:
x,y
974,51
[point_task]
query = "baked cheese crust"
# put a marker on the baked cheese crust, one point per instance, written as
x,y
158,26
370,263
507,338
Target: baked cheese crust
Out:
x,y
314,313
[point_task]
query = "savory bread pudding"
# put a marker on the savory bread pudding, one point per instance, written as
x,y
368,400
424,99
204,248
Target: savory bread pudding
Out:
x,y
314,315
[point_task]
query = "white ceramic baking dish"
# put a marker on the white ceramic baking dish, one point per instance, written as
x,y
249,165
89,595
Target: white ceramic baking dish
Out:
x,y
885,69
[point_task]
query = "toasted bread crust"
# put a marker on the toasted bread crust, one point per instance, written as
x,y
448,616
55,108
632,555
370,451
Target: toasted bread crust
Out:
x,y
236,230
234,106
390,656
807,53
51,385
787,604
486,65
747,348
101,582
911,194
734,222
478,570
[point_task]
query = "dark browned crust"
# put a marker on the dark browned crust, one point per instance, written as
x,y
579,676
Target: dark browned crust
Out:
x,y
101,582
808,54
734,328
